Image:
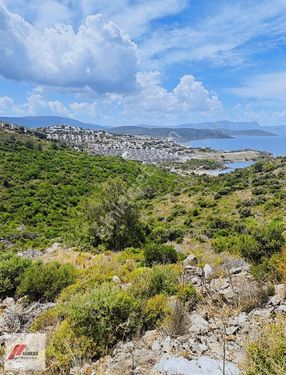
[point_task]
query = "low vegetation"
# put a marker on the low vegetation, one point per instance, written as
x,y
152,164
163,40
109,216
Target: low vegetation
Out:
x,y
130,227
268,354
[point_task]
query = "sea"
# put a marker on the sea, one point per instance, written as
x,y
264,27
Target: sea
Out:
x,y
274,144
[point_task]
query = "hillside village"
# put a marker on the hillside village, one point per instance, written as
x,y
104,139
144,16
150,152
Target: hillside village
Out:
x,y
167,153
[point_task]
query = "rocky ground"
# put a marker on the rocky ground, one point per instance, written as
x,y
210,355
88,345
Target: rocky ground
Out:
x,y
206,340
215,333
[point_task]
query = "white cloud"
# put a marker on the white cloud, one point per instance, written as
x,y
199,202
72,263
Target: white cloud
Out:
x,y
34,105
98,55
84,109
270,86
7,105
150,103
222,37
153,101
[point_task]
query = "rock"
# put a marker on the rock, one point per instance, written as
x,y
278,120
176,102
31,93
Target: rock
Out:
x,y
193,271
275,300
198,324
150,337
207,271
201,366
235,271
30,254
281,308
197,347
231,330
196,281
228,294
219,284
191,260
56,246
280,290
116,279
8,302
239,320
156,346
167,344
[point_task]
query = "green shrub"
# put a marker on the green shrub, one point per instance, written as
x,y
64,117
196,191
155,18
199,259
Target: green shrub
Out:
x,y
12,268
158,280
155,311
189,295
267,356
160,254
164,280
43,282
270,239
67,347
106,315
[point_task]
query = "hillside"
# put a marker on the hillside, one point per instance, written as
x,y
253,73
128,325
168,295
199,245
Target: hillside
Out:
x,y
43,184
41,121
183,134
125,266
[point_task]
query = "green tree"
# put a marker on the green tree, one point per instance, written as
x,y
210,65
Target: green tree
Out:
x,y
113,218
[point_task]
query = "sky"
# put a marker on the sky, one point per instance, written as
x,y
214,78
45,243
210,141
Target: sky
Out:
x,y
127,62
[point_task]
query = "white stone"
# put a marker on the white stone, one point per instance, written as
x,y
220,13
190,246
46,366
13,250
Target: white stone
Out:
x,y
231,330
280,290
56,246
201,366
167,344
116,279
190,260
156,346
275,300
198,324
8,302
207,271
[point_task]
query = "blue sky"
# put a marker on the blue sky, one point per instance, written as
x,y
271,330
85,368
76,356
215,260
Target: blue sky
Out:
x,y
148,61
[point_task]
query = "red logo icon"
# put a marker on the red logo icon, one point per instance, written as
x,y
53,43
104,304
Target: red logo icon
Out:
x,y
17,351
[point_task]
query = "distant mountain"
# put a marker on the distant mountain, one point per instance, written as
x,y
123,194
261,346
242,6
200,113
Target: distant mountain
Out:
x,y
44,121
175,133
249,132
278,129
230,125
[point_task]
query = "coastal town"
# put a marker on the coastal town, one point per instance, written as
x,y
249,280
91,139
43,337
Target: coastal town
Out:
x,y
167,153
170,153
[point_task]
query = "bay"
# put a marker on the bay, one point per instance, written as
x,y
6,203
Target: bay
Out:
x,y
274,144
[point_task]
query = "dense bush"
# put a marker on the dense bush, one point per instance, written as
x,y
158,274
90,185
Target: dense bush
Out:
x,y
261,242
12,268
43,282
160,254
148,282
106,315
155,311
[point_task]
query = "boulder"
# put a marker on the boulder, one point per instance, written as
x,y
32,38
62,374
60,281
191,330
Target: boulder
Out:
x,y
280,290
191,260
55,246
198,324
208,271
150,337
201,366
